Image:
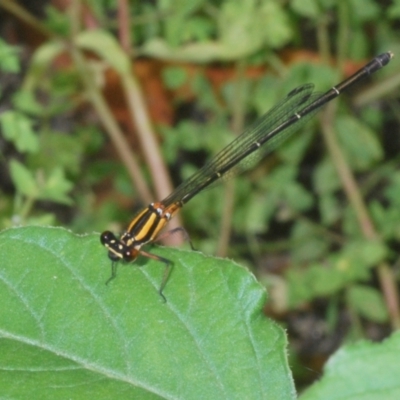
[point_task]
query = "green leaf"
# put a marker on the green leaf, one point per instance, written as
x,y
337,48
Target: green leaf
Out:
x,y
65,334
392,191
9,61
386,220
23,179
178,27
282,181
364,371
197,28
106,47
256,213
41,62
247,25
174,77
350,264
393,10
306,8
368,302
365,10
360,143
329,208
56,187
294,149
60,150
58,21
243,28
365,252
17,128
326,179
306,242
298,197
274,24
26,102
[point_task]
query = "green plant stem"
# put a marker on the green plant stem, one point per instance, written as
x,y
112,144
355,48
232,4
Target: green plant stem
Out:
x,y
343,36
124,25
97,100
147,136
350,186
151,150
105,115
356,329
14,8
229,192
226,219
26,207
323,37
374,92
385,275
139,113
321,230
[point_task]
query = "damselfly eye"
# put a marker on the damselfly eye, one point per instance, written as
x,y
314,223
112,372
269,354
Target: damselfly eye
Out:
x,y
130,255
107,238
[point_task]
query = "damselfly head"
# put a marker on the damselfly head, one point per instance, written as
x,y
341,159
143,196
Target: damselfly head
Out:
x,y
117,249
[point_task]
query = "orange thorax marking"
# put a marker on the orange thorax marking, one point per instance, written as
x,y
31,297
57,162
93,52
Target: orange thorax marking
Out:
x,y
146,226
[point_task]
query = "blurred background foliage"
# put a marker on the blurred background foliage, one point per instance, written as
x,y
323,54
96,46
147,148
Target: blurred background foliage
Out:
x,y
107,105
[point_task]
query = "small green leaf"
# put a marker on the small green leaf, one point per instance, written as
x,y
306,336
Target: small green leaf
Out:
x,y
350,264
23,179
26,102
282,181
60,150
57,187
274,24
392,191
57,21
366,252
297,197
243,28
41,61
386,219
307,243
306,8
393,10
17,128
365,10
106,47
360,143
326,179
294,149
362,371
368,302
174,77
329,208
198,28
316,281
248,25
9,60
65,334
256,213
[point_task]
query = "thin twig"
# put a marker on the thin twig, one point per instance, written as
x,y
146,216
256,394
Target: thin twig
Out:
x,y
386,278
139,113
106,117
124,24
229,187
151,150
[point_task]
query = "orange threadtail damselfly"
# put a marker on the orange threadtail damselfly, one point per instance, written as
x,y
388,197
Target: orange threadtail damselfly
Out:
x,y
253,144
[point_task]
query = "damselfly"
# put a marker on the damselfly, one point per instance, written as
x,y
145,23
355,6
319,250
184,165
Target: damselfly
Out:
x,y
254,143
